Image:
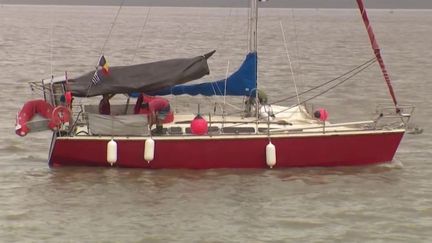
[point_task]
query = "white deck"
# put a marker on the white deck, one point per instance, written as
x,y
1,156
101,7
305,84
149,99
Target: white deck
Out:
x,y
292,122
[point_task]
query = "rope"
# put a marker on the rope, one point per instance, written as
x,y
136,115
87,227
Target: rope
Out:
x,y
353,73
51,47
298,57
225,84
332,87
141,35
227,27
289,62
341,82
112,27
367,64
106,41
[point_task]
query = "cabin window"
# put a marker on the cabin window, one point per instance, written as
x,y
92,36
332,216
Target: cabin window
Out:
x,y
164,131
175,130
238,130
211,130
263,130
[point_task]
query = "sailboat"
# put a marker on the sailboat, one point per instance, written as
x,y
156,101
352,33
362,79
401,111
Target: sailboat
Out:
x,y
262,136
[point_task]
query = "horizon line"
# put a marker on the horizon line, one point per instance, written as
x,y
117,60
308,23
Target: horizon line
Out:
x,y
202,6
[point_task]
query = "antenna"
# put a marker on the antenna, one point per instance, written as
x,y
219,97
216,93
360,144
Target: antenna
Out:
x,y
225,85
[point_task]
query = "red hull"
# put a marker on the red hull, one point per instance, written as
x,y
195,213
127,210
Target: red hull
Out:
x,y
300,151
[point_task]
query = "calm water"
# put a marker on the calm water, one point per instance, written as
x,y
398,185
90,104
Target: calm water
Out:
x,y
379,203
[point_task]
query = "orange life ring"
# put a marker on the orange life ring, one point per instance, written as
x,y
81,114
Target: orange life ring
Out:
x,y
60,115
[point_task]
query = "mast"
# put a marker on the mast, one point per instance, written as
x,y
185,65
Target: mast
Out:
x,y
253,39
253,25
377,51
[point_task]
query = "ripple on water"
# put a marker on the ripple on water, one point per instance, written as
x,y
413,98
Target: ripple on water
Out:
x,y
386,203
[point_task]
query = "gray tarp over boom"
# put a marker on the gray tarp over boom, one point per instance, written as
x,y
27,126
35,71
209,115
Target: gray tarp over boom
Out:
x,y
146,78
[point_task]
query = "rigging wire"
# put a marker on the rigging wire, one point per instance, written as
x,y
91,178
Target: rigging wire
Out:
x,y
348,75
222,41
332,87
364,67
225,84
106,41
289,61
224,94
367,64
341,82
51,47
112,27
298,58
141,35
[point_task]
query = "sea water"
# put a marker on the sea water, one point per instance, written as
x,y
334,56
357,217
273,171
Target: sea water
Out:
x,y
347,204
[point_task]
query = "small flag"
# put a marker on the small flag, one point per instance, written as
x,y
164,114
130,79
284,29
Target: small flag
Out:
x,y
96,79
102,66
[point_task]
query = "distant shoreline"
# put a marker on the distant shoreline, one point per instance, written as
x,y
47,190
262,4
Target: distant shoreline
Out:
x,y
167,6
312,4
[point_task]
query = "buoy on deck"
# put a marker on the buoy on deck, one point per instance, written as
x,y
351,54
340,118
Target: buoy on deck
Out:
x,y
199,126
149,149
321,114
112,152
271,155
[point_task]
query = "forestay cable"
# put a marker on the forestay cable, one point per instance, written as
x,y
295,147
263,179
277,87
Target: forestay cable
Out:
x,y
141,35
112,27
106,41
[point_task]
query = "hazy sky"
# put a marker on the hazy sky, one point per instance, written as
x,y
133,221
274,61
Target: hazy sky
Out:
x,y
388,4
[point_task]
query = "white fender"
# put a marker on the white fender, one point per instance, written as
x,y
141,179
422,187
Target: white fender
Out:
x,y
112,152
270,155
149,149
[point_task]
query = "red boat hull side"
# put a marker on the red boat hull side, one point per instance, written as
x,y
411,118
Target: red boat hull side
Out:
x,y
324,150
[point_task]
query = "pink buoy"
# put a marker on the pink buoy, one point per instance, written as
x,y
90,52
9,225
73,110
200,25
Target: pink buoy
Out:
x,y
199,126
321,114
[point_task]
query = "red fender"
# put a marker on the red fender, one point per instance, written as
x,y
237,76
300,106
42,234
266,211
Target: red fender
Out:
x,y
27,113
199,125
60,115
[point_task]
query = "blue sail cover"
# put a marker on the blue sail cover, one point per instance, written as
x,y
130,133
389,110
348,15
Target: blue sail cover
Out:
x,y
240,83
